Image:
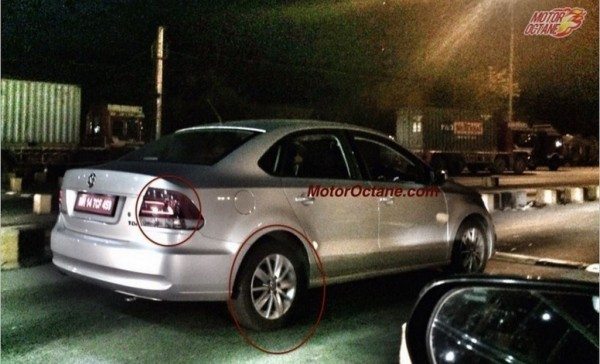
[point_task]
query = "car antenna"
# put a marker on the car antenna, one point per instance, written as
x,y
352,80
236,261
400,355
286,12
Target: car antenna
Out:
x,y
215,111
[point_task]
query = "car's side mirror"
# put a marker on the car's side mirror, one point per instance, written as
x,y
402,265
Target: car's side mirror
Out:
x,y
504,320
440,177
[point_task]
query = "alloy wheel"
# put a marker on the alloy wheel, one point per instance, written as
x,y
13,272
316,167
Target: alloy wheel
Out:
x,y
273,286
473,250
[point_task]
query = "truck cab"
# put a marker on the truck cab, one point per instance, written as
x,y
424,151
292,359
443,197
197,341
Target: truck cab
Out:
x,y
114,126
542,143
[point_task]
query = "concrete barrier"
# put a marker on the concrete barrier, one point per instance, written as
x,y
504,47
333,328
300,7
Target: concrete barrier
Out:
x,y
546,196
7,176
591,192
507,198
42,204
488,201
574,195
520,198
16,184
9,247
24,247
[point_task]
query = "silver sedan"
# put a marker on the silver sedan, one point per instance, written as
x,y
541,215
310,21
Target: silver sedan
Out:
x,y
253,208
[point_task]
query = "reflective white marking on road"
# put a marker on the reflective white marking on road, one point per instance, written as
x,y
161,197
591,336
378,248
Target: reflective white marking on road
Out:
x,y
533,260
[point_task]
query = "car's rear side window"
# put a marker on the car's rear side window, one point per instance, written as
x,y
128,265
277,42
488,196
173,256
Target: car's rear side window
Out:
x,y
312,155
203,146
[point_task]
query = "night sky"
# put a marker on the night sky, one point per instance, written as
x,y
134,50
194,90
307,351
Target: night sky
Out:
x,y
352,61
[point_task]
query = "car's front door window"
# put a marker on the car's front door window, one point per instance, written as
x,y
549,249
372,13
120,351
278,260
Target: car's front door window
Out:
x,y
384,163
409,230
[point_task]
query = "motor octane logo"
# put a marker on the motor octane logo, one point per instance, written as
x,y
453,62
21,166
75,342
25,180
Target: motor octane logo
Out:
x,y
557,23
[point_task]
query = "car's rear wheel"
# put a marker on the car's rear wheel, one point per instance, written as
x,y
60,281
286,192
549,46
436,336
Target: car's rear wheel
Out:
x,y
272,281
469,253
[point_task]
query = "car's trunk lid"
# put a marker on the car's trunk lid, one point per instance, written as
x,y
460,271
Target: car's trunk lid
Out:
x,y
86,190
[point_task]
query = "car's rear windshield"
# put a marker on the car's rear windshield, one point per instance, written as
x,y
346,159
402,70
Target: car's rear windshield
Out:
x,y
201,146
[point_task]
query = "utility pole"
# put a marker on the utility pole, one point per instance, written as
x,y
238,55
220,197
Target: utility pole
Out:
x,y
511,59
160,43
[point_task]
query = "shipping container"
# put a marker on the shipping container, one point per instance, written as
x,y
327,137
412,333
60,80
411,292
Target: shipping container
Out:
x,y
40,114
452,139
447,130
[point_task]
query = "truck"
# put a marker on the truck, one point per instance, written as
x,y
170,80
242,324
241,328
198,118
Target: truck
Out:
x,y
543,144
581,150
452,139
42,128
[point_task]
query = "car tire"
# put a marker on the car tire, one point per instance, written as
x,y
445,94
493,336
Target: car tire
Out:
x,y
499,165
272,283
519,165
469,253
554,164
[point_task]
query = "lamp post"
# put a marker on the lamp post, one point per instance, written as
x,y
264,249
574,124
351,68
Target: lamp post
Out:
x,y
511,58
159,79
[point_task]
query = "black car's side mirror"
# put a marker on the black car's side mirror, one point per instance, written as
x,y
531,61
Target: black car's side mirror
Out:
x,y
504,320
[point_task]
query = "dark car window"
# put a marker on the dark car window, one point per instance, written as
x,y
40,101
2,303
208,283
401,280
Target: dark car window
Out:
x,y
307,156
204,146
384,163
482,325
270,160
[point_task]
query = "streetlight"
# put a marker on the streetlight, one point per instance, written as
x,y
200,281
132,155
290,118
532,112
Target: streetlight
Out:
x,y
511,58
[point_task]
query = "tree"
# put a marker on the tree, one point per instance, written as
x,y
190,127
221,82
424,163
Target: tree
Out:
x,y
488,90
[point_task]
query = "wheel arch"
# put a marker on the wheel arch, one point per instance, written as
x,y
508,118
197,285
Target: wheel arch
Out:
x,y
280,234
487,225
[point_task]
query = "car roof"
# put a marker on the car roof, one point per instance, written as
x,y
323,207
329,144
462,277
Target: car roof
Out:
x,y
268,125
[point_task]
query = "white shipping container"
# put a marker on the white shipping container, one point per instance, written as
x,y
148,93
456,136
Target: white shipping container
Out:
x,y
39,113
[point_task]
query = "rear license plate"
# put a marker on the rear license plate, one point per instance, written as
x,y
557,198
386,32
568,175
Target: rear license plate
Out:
x,y
92,203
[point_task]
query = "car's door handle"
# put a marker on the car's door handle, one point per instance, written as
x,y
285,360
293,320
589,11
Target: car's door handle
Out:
x,y
305,200
387,200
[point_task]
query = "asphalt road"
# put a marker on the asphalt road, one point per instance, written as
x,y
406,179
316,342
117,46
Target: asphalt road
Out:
x,y
567,232
47,317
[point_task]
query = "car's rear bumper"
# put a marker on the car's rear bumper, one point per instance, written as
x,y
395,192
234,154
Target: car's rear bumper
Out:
x,y
153,272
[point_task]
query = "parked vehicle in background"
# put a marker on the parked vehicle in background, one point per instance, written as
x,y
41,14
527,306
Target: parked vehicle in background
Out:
x,y
580,150
253,216
41,128
544,144
452,139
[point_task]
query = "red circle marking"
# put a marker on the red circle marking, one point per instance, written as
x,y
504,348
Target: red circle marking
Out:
x,y
231,309
186,182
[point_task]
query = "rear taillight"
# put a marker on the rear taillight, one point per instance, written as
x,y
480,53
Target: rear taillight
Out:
x,y
62,204
169,209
